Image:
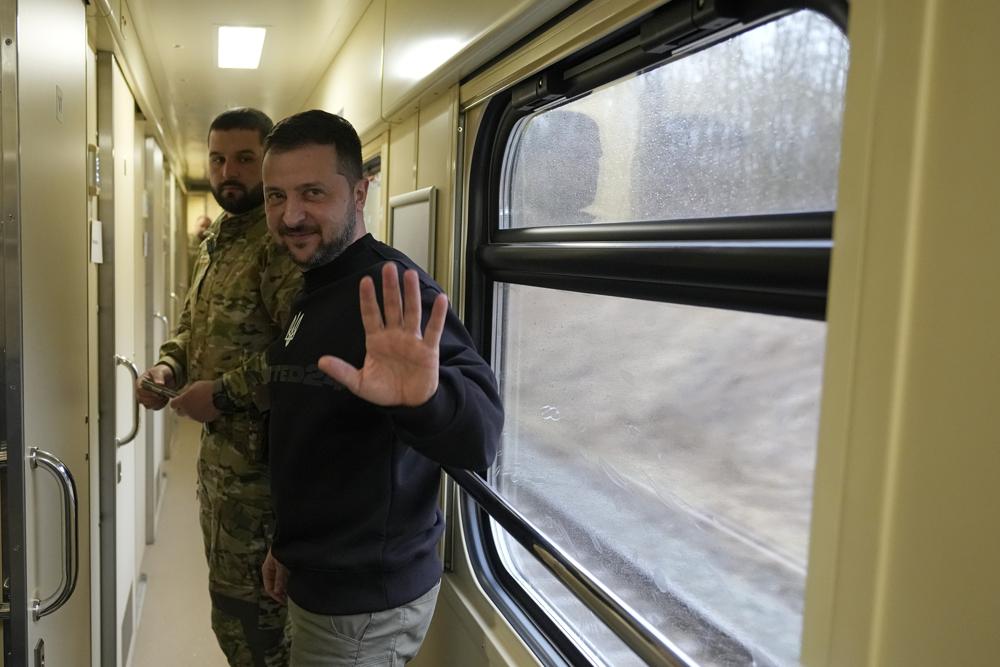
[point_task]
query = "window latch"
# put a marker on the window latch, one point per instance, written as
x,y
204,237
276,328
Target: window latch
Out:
x,y
680,23
537,91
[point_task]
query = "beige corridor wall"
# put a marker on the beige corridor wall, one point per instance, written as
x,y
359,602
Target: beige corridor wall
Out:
x,y
903,560
352,85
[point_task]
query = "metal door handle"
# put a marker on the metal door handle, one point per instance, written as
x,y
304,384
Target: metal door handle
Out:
x,y
166,323
127,363
40,457
4,606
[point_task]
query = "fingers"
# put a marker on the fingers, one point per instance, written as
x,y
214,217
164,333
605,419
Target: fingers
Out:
x,y
435,324
280,579
391,315
267,575
397,311
400,312
145,397
177,404
274,576
181,404
371,316
411,321
161,374
150,400
195,402
391,298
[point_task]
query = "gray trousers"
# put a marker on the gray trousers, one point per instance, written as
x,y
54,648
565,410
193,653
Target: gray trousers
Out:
x,y
383,638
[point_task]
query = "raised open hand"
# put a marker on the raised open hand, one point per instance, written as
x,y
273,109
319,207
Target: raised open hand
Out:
x,y
401,365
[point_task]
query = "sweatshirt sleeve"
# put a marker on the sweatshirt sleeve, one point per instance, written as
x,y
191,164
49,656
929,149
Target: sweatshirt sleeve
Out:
x,y
461,423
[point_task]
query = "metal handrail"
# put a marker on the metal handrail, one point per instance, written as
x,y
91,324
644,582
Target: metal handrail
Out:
x,y
39,457
127,363
647,642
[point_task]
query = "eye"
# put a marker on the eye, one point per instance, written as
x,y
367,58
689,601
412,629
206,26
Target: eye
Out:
x,y
216,160
313,194
247,159
275,197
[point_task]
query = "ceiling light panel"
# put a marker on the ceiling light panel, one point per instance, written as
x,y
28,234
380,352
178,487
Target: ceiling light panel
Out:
x,y
240,47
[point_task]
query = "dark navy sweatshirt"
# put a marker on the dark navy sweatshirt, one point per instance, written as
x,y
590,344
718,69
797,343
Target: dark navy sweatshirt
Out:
x,y
355,485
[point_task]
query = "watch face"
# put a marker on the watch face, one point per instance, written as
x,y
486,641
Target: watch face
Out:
x,y
221,400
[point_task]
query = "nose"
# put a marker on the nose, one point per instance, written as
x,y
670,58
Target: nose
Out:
x,y
293,212
230,170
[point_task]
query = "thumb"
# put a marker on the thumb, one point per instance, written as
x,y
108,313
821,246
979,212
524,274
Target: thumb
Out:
x,y
341,371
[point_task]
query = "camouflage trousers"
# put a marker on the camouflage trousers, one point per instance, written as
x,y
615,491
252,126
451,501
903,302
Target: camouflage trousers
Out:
x,y
237,523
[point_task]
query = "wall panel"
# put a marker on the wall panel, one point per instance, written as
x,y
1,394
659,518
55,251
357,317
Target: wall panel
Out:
x,y
352,86
903,550
431,44
436,149
402,169
941,604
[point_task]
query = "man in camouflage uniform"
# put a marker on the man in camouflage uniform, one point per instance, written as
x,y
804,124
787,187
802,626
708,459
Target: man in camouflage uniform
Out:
x,y
239,302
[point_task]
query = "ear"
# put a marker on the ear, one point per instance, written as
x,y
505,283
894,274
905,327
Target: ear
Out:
x,y
360,193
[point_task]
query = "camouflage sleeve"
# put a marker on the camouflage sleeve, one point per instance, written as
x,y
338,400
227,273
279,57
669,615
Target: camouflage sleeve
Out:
x,y
245,386
173,353
280,282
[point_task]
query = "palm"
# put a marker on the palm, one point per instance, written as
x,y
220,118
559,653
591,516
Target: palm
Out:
x,y
401,364
398,370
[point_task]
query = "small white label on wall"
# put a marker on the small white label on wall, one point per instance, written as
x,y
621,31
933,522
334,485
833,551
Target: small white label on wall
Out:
x,y
96,242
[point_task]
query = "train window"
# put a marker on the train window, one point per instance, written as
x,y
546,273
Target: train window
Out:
x,y
749,126
670,450
667,448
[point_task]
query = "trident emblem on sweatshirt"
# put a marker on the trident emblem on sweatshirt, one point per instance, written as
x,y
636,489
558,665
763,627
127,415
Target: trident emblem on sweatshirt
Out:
x,y
293,328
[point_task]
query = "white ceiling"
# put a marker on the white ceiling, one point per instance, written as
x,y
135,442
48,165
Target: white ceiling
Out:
x,y
180,41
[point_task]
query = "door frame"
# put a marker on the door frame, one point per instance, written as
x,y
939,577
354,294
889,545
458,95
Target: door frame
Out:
x,y
13,537
107,436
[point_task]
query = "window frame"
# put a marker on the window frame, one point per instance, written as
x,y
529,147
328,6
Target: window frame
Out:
x,y
774,264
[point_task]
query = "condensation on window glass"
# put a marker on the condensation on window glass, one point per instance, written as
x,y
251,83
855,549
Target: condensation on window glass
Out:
x,y
670,449
593,637
750,126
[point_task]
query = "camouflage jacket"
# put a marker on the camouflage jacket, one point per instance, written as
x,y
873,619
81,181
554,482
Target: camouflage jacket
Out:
x,y
241,293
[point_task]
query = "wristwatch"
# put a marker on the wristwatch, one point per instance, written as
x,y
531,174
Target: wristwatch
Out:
x,y
221,400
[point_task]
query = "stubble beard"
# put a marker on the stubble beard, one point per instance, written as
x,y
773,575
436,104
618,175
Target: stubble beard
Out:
x,y
249,201
327,252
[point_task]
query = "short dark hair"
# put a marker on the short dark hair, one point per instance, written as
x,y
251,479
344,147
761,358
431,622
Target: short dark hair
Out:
x,y
322,128
243,118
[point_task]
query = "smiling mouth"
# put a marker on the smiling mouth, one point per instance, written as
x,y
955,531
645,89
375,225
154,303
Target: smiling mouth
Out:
x,y
298,238
298,232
